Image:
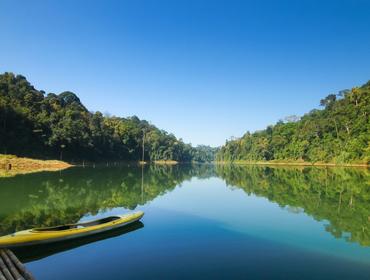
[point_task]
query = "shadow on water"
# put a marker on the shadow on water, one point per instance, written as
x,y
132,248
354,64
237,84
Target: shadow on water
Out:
x,y
36,252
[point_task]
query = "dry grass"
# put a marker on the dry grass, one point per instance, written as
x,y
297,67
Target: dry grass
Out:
x,y
11,165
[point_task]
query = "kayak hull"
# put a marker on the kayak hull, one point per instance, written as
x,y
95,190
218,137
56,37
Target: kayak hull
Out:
x,y
44,236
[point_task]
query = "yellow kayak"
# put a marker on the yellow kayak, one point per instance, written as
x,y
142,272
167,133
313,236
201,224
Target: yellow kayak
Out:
x,y
66,232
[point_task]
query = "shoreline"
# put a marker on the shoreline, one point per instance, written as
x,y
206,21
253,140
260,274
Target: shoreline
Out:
x,y
12,165
292,163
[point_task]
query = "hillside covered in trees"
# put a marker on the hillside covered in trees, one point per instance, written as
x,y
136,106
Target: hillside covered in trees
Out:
x,y
40,125
338,133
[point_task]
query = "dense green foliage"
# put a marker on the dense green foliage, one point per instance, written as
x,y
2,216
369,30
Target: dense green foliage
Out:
x,y
339,133
204,153
36,124
339,196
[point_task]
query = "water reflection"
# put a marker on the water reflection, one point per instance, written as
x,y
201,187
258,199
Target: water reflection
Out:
x,y
47,199
338,195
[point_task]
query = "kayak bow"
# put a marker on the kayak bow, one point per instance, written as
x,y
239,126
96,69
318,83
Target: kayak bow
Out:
x,y
69,231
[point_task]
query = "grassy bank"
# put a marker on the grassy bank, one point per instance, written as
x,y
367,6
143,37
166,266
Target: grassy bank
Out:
x,y
11,165
294,163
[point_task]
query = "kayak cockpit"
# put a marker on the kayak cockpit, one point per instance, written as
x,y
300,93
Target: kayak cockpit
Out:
x,y
80,225
99,222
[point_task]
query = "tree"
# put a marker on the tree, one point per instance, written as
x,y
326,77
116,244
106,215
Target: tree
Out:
x,y
327,101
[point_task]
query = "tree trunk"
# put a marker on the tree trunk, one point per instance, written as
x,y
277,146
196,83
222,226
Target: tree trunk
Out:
x,y
336,128
143,155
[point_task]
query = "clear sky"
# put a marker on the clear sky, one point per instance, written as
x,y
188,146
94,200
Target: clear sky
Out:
x,y
203,70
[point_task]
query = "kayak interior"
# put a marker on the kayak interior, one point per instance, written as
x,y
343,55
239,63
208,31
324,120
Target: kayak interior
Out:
x,y
80,225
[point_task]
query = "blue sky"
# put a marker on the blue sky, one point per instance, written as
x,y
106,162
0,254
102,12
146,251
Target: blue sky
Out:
x,y
203,70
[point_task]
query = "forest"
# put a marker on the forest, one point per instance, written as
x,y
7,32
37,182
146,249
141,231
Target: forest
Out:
x,y
58,126
338,133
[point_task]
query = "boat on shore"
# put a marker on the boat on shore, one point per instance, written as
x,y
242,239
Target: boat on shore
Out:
x,y
66,232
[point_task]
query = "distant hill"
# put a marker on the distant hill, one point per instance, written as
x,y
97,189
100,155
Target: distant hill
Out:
x,y
339,133
59,126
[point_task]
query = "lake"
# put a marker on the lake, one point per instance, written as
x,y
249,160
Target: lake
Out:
x,y
201,222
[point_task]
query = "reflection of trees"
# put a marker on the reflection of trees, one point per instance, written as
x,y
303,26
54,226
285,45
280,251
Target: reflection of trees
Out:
x,y
46,199
340,196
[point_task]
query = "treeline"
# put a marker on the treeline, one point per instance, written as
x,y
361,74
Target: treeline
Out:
x,y
40,125
339,133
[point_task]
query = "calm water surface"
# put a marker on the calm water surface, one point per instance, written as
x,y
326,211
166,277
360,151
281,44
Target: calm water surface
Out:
x,y
201,222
